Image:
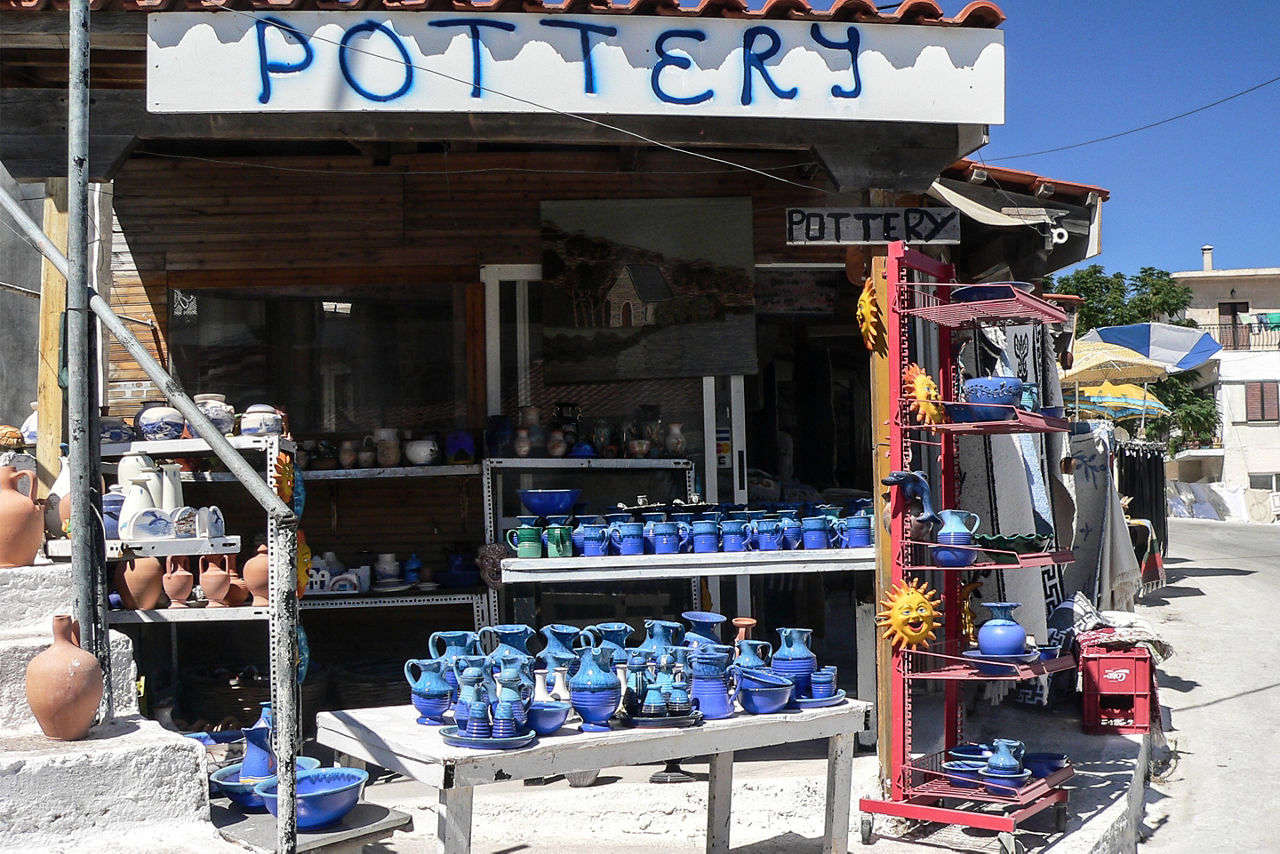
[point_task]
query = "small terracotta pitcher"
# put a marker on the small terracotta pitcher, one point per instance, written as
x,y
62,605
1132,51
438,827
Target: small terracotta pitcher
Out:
x,y
215,581
21,519
178,580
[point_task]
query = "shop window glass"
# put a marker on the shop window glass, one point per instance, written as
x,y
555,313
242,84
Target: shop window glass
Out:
x,y
339,362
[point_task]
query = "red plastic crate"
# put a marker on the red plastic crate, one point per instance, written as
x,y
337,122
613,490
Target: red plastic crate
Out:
x,y
1118,690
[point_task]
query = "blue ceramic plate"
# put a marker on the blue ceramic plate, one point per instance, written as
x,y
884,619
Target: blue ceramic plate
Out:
x,y
996,772
670,721
819,702
991,291
451,738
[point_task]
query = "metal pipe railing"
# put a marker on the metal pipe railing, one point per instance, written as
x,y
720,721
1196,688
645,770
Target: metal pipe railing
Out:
x,y
281,528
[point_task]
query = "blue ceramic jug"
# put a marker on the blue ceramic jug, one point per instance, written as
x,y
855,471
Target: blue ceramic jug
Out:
x,y
560,640
430,681
595,690
613,636
710,690
958,522
662,633
473,674
1006,756
794,660
749,653
1001,635
512,638
259,759
447,646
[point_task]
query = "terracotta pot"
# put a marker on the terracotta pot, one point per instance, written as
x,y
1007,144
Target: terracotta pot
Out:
x,y
215,581
744,625
178,580
140,583
257,574
238,593
21,518
64,684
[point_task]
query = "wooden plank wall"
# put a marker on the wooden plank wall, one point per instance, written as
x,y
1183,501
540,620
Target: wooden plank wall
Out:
x,y
419,219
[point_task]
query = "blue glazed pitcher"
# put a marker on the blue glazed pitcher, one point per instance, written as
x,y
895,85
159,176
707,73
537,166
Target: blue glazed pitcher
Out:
x,y
749,653
613,636
794,660
513,638
259,759
595,690
1001,635
661,634
1006,756
958,522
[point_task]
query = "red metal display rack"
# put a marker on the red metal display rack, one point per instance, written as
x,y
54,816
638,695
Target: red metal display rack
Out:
x,y
918,789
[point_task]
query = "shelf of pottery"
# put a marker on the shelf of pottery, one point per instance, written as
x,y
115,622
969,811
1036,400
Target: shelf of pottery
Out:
x,y
988,786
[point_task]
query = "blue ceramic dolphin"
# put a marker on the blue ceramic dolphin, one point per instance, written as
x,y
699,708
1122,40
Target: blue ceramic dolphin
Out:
x,y
917,488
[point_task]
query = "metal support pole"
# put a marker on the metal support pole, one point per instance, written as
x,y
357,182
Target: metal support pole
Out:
x,y
80,400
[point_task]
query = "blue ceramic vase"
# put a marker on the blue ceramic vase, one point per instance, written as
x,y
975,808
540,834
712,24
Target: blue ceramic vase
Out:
x,y
595,690
1001,635
794,660
703,627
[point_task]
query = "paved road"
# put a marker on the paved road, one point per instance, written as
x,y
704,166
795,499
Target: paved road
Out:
x,y
1221,688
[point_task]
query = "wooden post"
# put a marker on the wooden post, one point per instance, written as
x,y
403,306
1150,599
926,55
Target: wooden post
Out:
x,y
881,412
51,401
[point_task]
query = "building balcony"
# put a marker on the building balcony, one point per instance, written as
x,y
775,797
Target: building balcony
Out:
x,y
1259,335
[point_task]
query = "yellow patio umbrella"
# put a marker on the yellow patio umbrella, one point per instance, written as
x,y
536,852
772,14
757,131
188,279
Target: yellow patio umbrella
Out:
x,y
1120,400
1097,361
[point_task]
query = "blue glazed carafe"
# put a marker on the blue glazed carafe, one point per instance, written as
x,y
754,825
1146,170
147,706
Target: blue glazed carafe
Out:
x,y
512,638
259,759
447,646
560,640
709,684
430,693
749,653
958,522
1006,756
595,689
662,633
1001,635
794,660
473,673
613,636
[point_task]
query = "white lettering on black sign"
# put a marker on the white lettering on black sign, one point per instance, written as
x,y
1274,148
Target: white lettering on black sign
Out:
x,y
857,226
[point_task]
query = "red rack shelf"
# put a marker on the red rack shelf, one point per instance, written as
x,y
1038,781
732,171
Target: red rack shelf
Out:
x,y
926,664
1021,421
1022,307
924,777
1020,561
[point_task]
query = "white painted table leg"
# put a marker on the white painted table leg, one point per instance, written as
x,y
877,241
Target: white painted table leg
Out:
x,y
840,750
453,821
719,802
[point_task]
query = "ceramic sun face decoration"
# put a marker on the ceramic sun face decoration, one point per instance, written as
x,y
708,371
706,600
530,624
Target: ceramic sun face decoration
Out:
x,y
922,392
871,321
910,612
284,478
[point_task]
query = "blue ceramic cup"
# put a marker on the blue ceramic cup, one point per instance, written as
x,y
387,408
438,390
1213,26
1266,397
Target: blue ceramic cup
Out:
x,y
854,531
706,536
815,532
666,538
595,540
769,535
736,535
628,538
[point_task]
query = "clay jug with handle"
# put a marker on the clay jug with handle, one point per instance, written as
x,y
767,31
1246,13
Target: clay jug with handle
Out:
x,y
21,518
215,581
64,684
178,580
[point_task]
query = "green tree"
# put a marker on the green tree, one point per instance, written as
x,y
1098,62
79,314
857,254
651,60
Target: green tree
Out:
x,y
1152,295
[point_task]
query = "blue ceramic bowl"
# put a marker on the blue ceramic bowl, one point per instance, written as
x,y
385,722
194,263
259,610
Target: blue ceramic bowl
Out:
x,y
943,556
964,772
1002,391
1004,784
325,795
765,701
758,678
549,502
227,780
1044,764
430,709
971,752
547,716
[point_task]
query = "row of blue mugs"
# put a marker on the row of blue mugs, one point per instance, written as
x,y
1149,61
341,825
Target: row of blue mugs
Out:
x,y
702,536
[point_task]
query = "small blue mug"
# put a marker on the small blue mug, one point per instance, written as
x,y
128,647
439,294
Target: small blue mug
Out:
x,y
628,538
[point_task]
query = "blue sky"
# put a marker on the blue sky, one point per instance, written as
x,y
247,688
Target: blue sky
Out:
x,y
1079,70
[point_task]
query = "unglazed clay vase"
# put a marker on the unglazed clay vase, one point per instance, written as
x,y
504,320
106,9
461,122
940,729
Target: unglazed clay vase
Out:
x,y
215,581
64,684
178,580
238,593
257,574
21,518
140,583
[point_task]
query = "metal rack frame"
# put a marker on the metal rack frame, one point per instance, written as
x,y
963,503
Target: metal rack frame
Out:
x,y
917,789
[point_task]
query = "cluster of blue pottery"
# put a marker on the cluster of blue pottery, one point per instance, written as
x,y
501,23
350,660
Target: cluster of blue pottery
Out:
x,y
1003,767
783,527
676,676
324,795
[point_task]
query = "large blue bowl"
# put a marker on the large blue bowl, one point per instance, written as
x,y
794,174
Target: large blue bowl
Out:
x,y
1044,764
325,795
227,780
756,677
964,772
548,502
765,701
548,716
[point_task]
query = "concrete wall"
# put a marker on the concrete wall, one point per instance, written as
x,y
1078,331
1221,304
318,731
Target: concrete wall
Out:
x,y
1259,287
1247,446
19,315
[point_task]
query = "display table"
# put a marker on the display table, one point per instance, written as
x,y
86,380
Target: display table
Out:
x,y
390,737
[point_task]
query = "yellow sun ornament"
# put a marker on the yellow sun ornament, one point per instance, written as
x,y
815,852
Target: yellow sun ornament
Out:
x,y
871,321
910,612
284,478
922,391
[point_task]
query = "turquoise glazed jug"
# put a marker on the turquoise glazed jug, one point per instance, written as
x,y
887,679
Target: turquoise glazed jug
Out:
x,y
794,660
259,760
595,690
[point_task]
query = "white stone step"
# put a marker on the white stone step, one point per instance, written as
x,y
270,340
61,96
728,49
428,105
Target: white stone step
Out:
x,y
127,774
16,652
31,595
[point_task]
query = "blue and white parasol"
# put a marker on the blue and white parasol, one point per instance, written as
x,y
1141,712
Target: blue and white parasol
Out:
x,y
1178,348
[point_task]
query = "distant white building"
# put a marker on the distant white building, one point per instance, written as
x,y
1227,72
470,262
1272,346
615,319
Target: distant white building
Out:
x,y
633,299
1241,310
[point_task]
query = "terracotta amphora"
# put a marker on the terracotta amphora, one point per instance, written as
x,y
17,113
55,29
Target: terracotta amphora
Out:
x,y
178,580
140,583
64,684
215,581
21,519
238,593
257,574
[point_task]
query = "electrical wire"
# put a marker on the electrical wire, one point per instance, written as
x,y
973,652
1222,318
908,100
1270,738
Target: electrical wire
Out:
x,y
1147,126
544,108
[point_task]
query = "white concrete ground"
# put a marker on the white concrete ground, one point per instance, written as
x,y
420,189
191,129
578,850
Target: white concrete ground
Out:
x,y
1220,690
